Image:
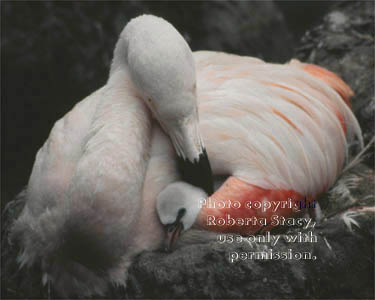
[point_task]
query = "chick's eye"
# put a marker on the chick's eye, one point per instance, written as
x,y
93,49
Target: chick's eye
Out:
x,y
181,213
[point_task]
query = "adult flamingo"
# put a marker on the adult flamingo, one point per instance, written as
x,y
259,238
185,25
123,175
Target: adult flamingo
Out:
x,y
85,199
280,132
89,198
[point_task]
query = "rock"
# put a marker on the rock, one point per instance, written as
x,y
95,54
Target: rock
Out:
x,y
344,44
204,269
297,18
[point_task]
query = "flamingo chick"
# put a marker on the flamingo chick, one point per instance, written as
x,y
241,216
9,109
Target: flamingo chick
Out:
x,y
87,212
281,134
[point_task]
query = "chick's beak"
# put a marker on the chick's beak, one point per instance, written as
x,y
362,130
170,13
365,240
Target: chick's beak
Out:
x,y
173,232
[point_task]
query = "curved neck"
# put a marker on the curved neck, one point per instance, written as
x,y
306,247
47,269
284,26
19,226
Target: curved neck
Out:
x,y
119,56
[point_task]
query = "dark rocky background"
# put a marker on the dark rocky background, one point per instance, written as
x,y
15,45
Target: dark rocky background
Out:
x,y
344,44
55,53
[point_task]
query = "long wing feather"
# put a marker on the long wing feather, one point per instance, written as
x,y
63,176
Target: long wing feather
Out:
x,y
275,126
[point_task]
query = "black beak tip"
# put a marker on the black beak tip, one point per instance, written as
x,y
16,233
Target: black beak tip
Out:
x,y
198,172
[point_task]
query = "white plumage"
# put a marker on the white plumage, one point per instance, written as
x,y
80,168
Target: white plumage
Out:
x,y
92,193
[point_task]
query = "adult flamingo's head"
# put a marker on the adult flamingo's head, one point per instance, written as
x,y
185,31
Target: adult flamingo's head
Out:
x,y
178,207
161,67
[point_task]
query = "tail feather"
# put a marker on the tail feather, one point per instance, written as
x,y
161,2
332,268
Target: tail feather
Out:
x,y
351,127
328,77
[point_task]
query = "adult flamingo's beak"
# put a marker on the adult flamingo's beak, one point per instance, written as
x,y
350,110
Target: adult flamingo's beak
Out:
x,y
184,133
193,162
197,172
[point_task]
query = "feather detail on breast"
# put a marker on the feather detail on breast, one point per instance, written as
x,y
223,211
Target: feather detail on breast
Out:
x,y
56,161
161,171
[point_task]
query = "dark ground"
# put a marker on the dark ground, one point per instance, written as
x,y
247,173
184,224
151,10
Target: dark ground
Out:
x,y
53,54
